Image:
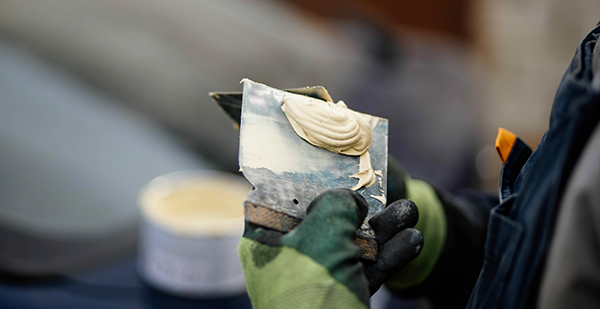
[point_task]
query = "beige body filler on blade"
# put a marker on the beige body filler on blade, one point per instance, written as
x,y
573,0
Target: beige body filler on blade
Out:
x,y
297,143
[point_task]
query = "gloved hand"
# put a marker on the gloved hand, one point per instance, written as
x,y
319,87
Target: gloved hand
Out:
x,y
398,242
453,228
432,225
316,265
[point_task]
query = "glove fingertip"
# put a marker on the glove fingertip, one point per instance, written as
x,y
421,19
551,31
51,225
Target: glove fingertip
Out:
x,y
399,215
401,249
395,254
416,239
412,214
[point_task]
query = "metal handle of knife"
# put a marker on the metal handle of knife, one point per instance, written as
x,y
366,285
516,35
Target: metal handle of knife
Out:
x,y
277,220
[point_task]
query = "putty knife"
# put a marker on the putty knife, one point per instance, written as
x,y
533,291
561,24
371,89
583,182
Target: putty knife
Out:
x,y
286,171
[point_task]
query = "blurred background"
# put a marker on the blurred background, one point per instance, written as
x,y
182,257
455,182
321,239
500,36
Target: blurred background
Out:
x,y
99,97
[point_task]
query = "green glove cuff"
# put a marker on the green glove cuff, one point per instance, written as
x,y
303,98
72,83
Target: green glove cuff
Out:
x,y
432,224
308,284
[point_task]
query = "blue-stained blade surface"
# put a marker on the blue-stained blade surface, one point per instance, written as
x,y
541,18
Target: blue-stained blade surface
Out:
x,y
286,171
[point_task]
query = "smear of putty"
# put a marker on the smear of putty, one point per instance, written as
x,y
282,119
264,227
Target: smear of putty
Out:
x,y
335,127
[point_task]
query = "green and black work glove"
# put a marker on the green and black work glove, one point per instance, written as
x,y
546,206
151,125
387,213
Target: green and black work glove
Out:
x,y
454,228
432,224
316,265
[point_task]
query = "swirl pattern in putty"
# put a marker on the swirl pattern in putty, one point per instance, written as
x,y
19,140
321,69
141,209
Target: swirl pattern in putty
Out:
x,y
335,127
